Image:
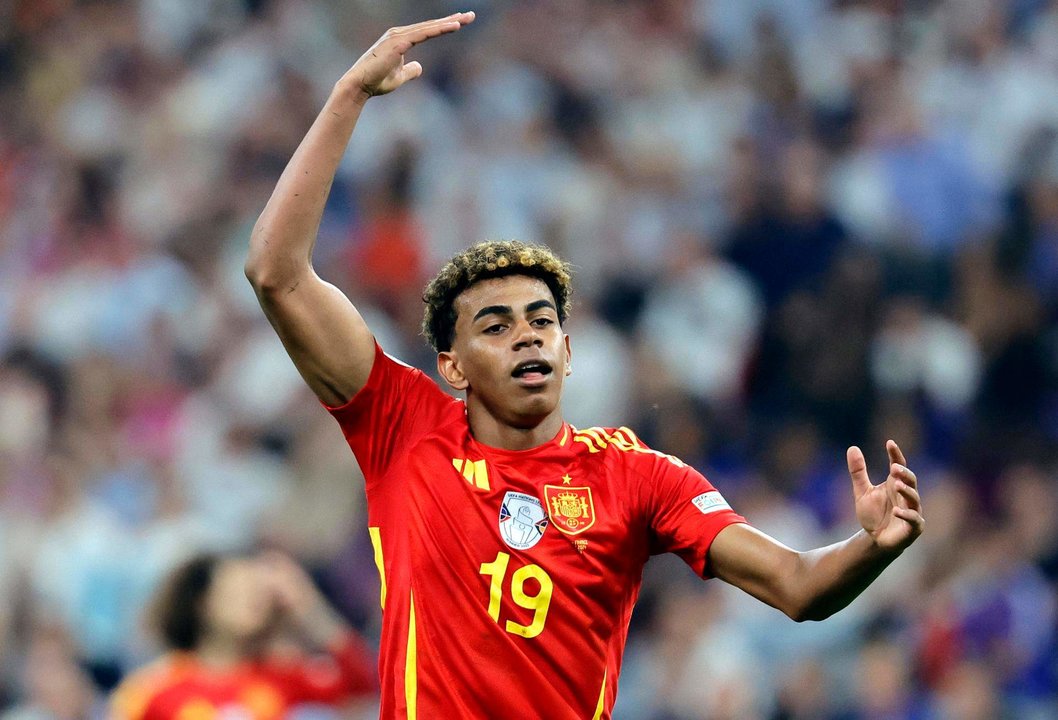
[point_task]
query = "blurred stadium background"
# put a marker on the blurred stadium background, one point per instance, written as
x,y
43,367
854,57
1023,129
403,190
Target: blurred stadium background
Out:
x,y
796,225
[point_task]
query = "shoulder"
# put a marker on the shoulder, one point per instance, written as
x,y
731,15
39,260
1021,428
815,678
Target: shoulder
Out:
x,y
393,384
136,692
621,443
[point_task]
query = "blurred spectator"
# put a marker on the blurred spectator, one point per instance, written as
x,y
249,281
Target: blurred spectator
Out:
x,y
55,687
702,291
235,629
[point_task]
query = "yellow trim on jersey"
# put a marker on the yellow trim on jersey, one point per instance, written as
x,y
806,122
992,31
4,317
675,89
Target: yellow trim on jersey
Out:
x,y
411,680
474,471
593,444
376,543
602,698
623,439
565,435
599,435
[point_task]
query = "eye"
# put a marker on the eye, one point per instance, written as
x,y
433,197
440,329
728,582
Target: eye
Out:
x,y
543,322
493,329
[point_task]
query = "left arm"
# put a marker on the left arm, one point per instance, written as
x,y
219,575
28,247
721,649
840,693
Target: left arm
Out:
x,y
816,584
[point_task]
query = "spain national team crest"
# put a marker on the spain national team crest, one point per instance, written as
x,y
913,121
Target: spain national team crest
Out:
x,y
571,509
522,520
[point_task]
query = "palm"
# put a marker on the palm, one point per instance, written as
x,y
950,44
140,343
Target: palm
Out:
x,y
891,511
382,69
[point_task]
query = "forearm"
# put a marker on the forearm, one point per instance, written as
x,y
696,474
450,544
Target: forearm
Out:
x,y
829,578
322,626
282,240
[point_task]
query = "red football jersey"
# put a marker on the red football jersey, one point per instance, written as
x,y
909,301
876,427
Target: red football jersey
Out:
x,y
509,577
179,687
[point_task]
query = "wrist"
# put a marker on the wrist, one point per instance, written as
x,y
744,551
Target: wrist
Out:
x,y
876,549
350,91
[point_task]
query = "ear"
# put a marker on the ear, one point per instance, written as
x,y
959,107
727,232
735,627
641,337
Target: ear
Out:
x,y
449,368
569,357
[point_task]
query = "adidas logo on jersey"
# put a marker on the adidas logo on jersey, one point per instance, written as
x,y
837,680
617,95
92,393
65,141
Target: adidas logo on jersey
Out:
x,y
474,471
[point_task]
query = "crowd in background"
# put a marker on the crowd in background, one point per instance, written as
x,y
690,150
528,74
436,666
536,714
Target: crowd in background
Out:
x,y
795,225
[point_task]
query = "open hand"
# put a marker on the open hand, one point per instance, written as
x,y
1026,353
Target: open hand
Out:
x,y
382,68
291,587
891,512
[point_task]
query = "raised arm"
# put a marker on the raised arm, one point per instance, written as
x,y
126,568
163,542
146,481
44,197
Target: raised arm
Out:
x,y
816,584
324,334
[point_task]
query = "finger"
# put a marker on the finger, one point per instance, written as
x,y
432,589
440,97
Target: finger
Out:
x,y
895,454
401,44
858,471
431,32
912,517
910,494
432,28
905,474
463,18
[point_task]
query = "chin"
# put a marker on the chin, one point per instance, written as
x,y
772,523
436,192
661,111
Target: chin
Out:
x,y
534,411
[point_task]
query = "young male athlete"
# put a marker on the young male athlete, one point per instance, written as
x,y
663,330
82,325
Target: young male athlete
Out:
x,y
510,544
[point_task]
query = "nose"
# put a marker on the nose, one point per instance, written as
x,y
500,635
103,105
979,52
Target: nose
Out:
x,y
526,335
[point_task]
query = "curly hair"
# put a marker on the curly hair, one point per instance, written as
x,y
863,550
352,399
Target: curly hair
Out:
x,y
485,261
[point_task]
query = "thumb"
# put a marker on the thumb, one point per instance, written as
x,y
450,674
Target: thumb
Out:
x,y
858,472
410,71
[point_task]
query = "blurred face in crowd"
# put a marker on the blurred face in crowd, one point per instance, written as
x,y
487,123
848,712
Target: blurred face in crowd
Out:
x,y
54,681
239,605
509,351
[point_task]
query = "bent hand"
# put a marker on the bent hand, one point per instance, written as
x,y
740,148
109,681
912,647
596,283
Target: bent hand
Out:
x,y
382,68
891,512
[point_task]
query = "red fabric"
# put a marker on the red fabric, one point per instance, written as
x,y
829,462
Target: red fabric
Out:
x,y
179,686
443,548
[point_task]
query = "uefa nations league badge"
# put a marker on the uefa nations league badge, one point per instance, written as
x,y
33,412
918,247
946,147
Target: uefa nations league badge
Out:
x,y
522,520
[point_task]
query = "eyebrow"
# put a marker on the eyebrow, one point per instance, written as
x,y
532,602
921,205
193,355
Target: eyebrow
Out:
x,y
508,311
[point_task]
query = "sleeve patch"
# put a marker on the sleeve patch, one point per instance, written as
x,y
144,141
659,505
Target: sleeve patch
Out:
x,y
710,502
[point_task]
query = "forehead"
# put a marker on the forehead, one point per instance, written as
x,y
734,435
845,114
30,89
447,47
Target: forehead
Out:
x,y
517,291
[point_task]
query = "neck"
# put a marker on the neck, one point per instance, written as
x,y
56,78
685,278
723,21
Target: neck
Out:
x,y
491,430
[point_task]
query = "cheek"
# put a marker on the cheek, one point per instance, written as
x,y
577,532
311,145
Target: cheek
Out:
x,y
482,364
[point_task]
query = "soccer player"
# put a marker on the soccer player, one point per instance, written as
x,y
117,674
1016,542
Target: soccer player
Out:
x,y
227,622
510,544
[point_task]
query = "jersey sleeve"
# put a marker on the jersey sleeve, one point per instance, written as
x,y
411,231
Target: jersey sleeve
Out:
x,y
398,404
685,513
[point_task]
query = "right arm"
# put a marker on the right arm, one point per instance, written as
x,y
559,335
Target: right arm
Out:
x,y
324,334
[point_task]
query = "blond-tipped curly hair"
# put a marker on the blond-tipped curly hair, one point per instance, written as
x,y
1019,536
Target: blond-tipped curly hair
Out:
x,y
484,261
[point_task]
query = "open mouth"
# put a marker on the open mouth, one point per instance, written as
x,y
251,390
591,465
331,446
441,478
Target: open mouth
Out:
x,y
531,371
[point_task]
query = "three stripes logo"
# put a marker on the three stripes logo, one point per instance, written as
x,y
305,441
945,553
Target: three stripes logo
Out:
x,y
474,471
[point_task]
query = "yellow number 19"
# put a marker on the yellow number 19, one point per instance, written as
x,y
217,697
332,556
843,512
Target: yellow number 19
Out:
x,y
538,603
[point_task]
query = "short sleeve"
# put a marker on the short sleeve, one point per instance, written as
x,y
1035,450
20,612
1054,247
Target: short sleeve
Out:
x,y
686,513
396,406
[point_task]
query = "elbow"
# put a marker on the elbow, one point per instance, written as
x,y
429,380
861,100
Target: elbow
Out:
x,y
810,607
808,613
256,268
266,270
256,273
798,610
802,600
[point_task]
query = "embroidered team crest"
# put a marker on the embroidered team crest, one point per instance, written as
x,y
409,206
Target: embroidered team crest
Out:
x,y
522,520
571,509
